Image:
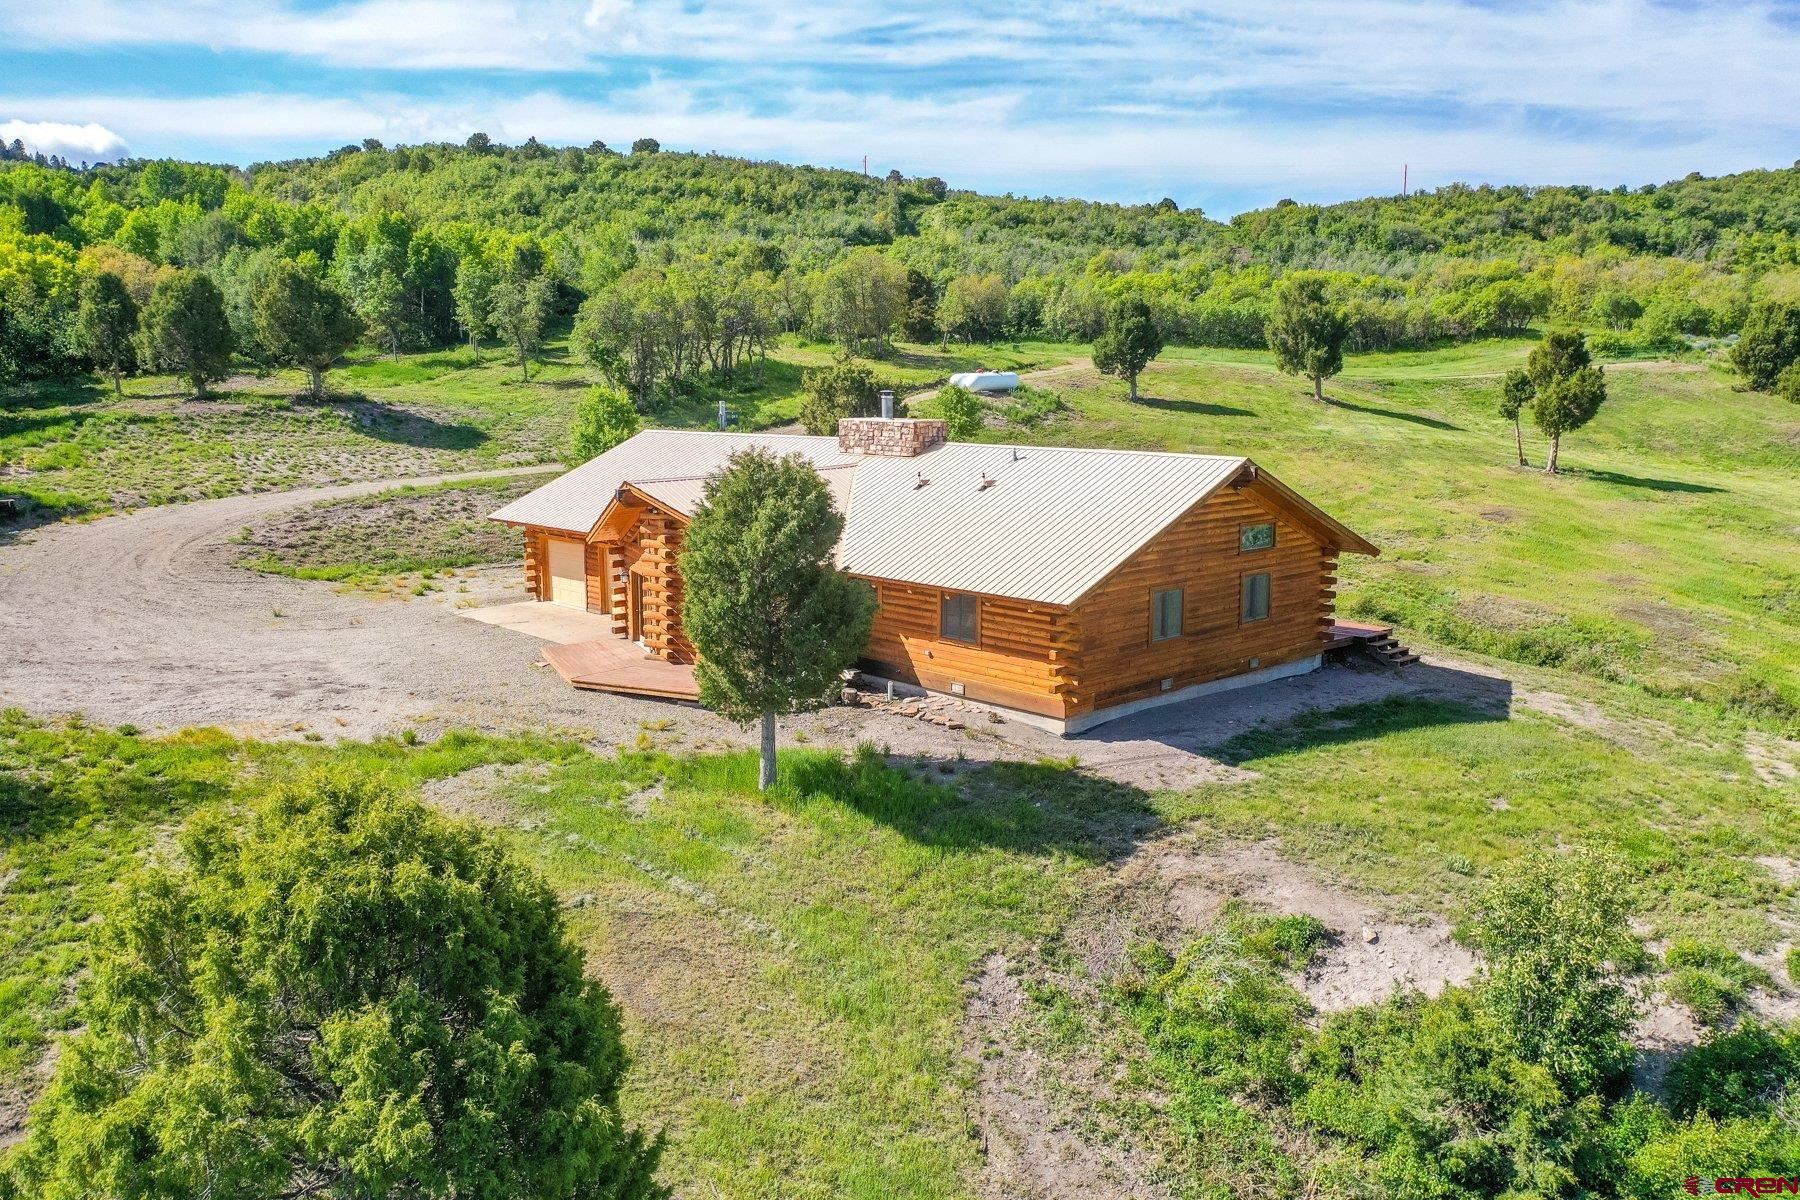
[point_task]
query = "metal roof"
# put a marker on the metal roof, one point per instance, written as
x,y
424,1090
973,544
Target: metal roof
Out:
x,y
573,502
1049,524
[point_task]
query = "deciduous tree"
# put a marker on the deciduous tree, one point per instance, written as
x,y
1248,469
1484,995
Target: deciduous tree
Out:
x,y
1128,343
106,325
772,618
304,322
474,297
338,994
185,331
860,300
1306,331
518,306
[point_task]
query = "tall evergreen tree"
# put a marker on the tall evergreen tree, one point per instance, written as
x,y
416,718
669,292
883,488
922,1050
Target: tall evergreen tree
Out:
x,y
1516,392
106,324
185,330
772,618
303,322
1306,331
1128,343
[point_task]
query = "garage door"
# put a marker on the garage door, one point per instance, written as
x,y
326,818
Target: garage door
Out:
x,y
568,573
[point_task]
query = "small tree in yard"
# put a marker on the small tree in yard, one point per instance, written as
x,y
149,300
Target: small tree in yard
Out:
x,y
337,994
1128,342
1566,406
303,321
1516,394
105,324
962,410
1567,391
773,620
604,419
1306,331
185,331
1768,344
518,306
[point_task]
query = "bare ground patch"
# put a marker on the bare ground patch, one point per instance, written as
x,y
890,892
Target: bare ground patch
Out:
x,y
1041,1137
1372,951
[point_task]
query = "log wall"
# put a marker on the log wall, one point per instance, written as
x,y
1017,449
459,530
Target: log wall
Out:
x,y
1117,662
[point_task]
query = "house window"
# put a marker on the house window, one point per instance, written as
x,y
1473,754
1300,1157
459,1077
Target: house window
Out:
x,y
1256,596
1257,537
1165,615
956,620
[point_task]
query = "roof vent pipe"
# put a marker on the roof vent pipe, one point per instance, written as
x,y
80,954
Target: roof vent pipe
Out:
x,y
887,404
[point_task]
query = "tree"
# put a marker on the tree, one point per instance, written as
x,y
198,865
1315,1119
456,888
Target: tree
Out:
x,y
974,308
774,622
1787,384
1128,343
106,322
1560,354
604,418
1618,309
919,322
474,297
185,331
517,309
861,298
646,145
1553,931
338,994
303,322
478,142
1768,343
1566,405
963,412
1516,393
1306,331
829,394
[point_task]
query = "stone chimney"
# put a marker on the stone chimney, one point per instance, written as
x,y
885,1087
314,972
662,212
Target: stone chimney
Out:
x,y
895,437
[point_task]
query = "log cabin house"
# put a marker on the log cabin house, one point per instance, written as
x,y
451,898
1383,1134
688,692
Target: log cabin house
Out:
x,y
1066,586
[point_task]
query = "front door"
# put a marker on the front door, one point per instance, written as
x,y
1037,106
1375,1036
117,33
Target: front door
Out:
x,y
568,573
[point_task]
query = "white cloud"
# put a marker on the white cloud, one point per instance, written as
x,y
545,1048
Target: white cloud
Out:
x,y
88,143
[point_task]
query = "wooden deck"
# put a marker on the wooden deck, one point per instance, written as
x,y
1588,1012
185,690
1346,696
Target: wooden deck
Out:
x,y
612,664
1378,640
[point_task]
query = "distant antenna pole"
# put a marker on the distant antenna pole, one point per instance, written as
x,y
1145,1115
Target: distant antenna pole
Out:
x,y
865,166
1405,170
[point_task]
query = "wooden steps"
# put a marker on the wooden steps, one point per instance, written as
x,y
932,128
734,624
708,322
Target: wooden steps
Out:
x,y
1378,640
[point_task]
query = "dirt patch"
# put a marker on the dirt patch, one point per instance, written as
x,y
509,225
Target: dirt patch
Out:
x,y
1785,870
472,795
1192,884
1500,515
1033,1142
1776,761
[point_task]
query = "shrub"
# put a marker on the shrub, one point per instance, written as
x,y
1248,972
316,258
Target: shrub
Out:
x,y
963,411
1793,965
845,389
1710,980
1787,384
1736,1074
1553,931
604,419
339,993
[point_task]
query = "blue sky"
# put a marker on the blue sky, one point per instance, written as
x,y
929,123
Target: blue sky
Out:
x,y
1223,104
